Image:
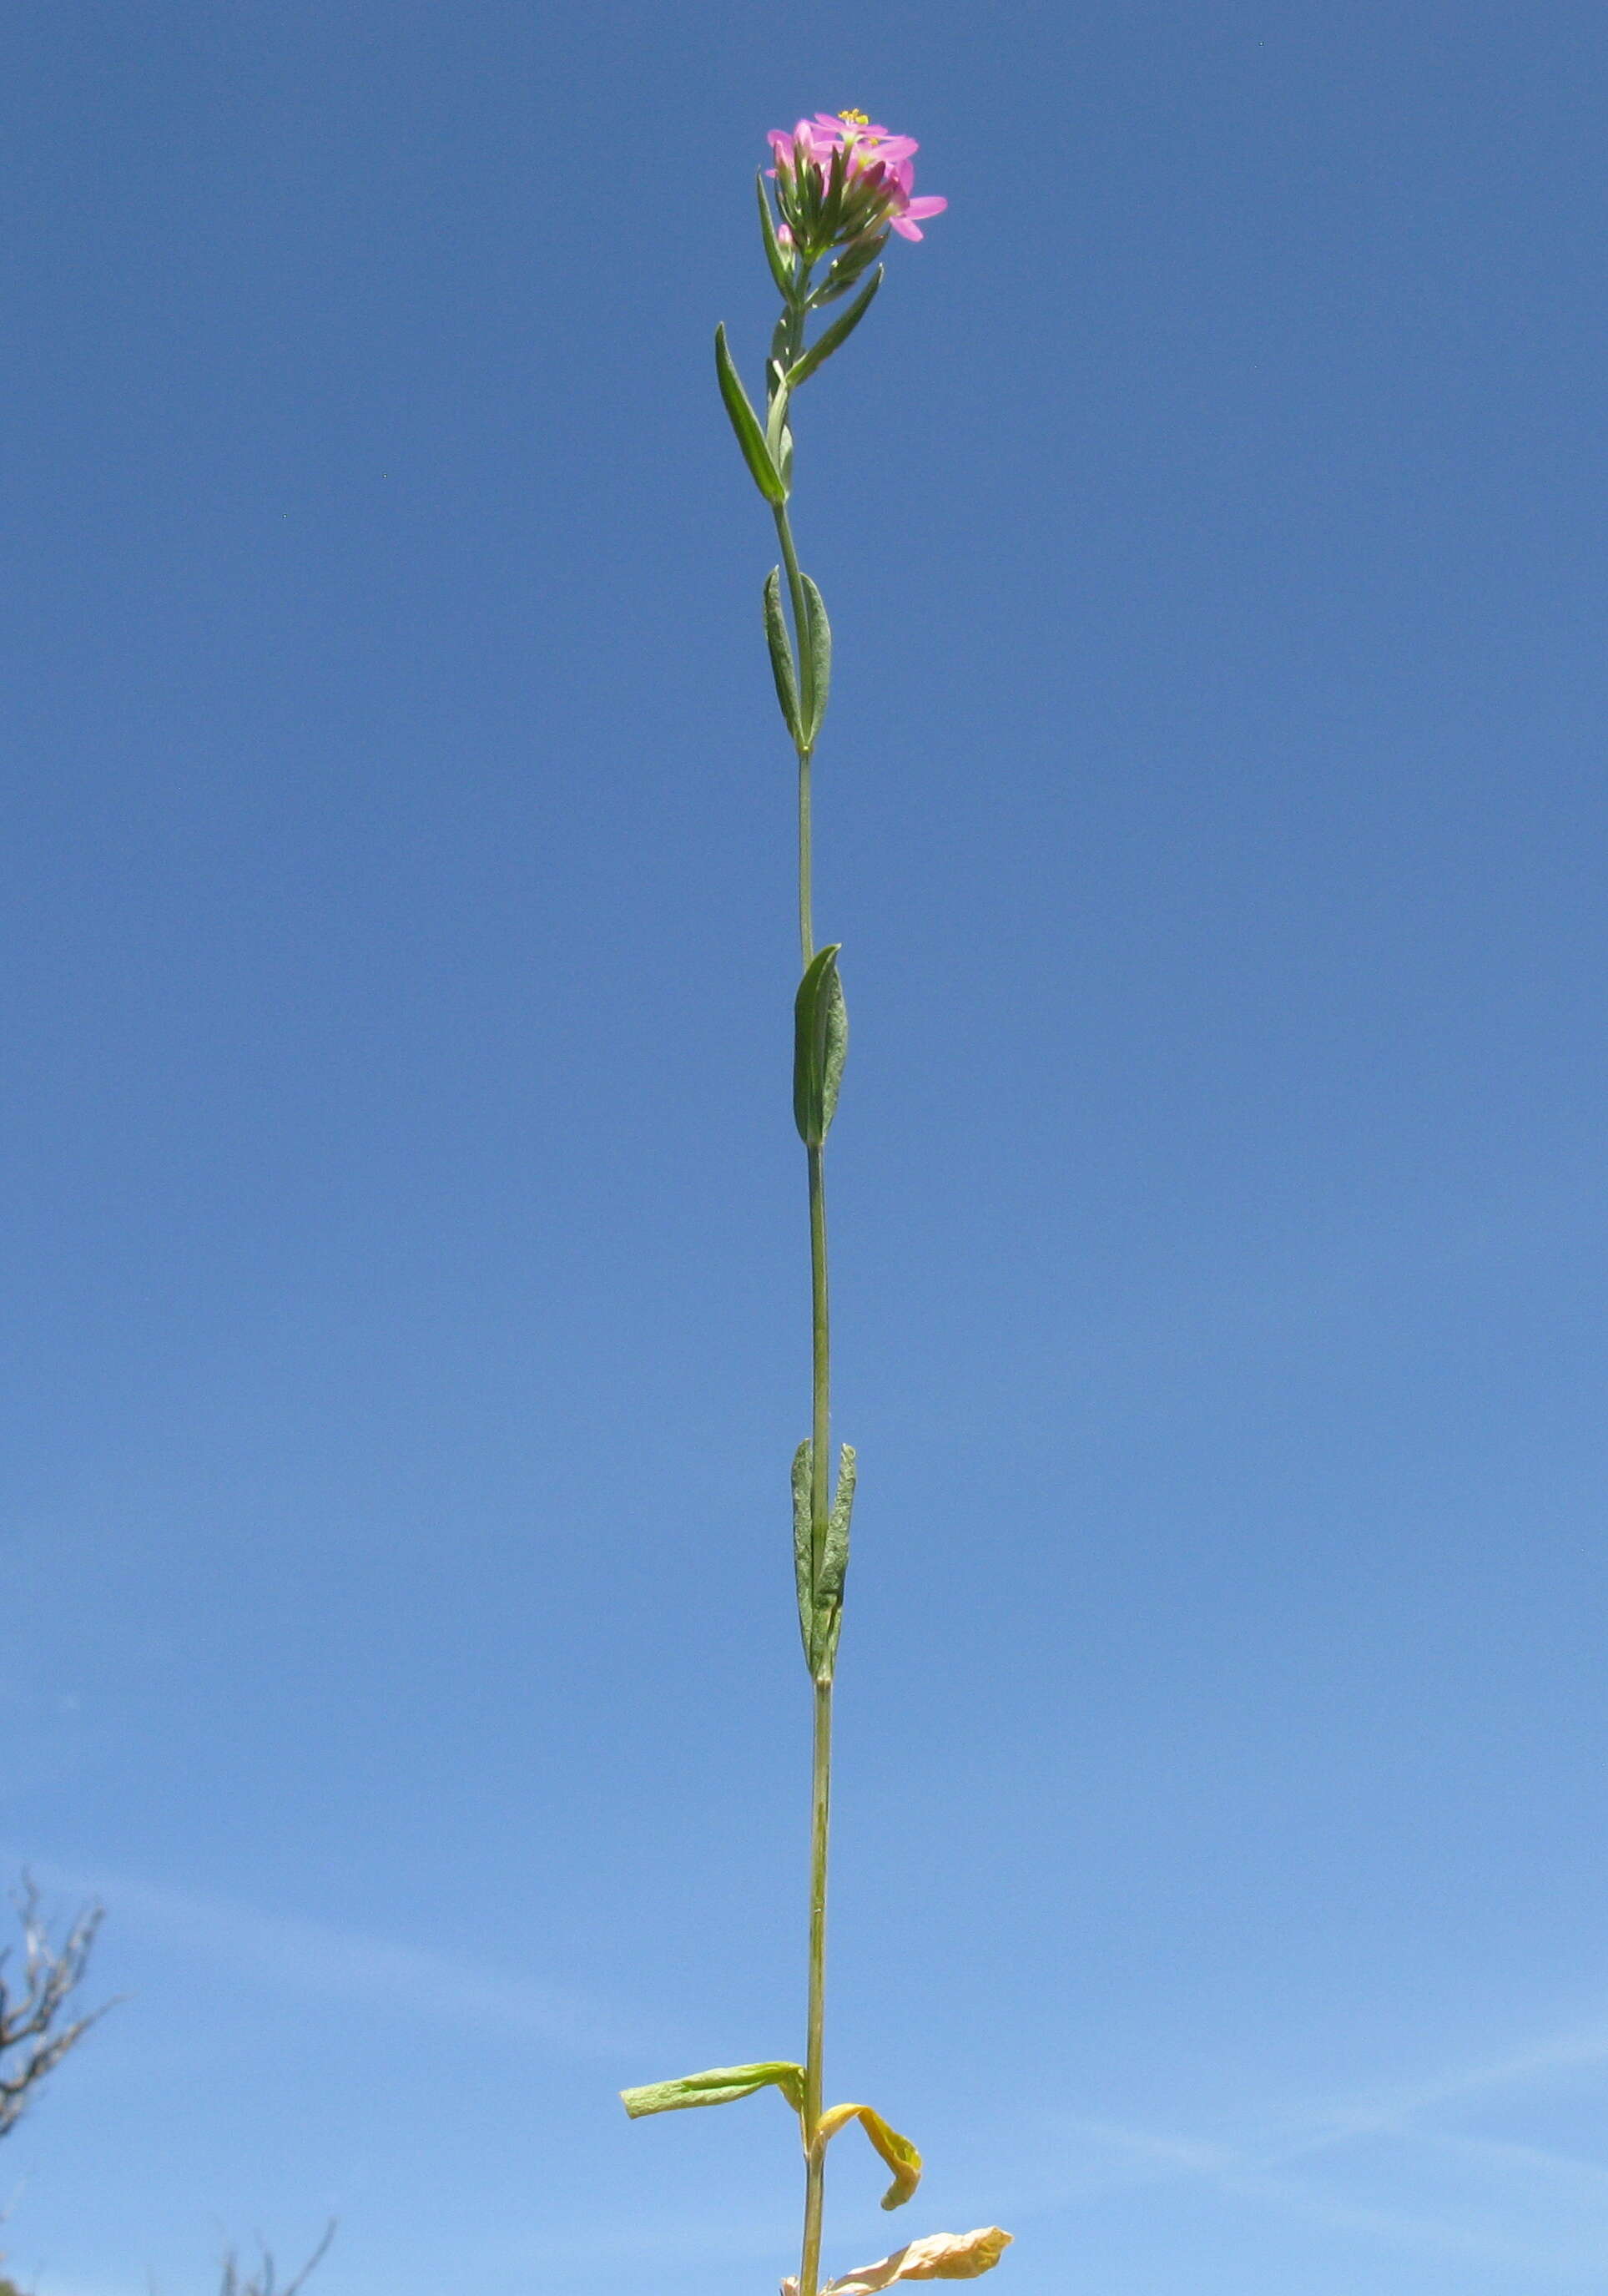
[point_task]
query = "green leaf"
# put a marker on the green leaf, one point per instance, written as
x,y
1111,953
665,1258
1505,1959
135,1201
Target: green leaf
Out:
x,y
745,422
835,1053
780,270
821,1597
781,653
803,1547
820,1039
835,1569
900,2155
847,268
819,640
722,2086
775,421
776,365
836,335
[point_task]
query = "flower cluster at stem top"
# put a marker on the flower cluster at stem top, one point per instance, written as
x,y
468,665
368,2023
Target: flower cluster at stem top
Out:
x,y
842,178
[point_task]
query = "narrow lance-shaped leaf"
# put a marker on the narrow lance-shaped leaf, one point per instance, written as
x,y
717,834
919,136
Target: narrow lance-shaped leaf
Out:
x,y
775,422
835,1053
803,1553
781,271
900,2155
778,362
942,2256
721,2086
834,1570
820,1037
846,269
836,335
818,638
745,422
781,654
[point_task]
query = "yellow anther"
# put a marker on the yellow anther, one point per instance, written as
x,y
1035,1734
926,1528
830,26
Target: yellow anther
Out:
x,y
855,119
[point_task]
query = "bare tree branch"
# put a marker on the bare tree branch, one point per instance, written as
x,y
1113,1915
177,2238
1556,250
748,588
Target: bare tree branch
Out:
x,y
33,2037
262,2282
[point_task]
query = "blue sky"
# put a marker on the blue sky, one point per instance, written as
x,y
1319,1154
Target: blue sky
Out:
x,y
406,1329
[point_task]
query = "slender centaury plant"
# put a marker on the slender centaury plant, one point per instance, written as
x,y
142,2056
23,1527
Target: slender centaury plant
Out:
x,y
844,184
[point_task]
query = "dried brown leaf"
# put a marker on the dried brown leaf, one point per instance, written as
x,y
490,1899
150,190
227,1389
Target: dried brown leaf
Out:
x,y
942,2256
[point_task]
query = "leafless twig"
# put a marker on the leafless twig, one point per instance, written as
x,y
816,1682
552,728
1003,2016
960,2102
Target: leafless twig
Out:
x,y
33,2038
262,2282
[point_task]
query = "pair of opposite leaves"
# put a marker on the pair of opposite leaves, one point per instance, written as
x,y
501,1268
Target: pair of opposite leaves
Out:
x,y
941,2256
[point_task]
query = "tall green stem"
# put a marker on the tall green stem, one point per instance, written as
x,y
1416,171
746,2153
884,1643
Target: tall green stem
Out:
x,y
814,2154
806,934
792,337
820,1797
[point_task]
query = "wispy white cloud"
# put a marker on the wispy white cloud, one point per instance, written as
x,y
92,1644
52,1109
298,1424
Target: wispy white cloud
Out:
x,y
319,1960
1511,2202
1471,2234
1401,2110
1499,2155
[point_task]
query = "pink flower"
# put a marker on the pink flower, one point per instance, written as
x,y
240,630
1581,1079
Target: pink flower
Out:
x,y
860,135
801,144
907,209
879,180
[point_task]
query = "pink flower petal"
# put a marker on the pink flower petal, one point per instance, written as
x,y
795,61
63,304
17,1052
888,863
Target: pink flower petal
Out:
x,y
831,123
906,230
928,206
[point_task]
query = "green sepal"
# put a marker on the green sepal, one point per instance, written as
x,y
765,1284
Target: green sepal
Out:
x,y
745,422
820,1044
831,205
780,270
836,335
803,1548
722,2086
818,638
781,653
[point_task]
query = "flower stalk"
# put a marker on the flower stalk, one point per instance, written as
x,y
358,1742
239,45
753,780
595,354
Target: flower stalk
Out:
x,y
843,185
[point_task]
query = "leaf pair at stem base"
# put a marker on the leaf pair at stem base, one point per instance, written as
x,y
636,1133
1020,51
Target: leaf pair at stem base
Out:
x,y
725,2083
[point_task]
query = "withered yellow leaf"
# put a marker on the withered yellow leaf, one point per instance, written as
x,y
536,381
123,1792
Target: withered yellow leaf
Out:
x,y
942,2256
900,2155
